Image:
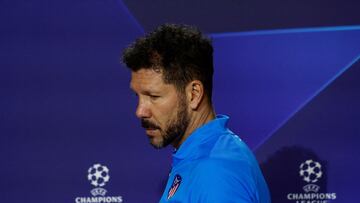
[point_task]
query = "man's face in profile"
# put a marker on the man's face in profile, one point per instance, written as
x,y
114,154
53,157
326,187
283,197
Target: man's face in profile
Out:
x,y
161,107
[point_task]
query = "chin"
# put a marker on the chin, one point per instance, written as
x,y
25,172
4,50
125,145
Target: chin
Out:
x,y
157,144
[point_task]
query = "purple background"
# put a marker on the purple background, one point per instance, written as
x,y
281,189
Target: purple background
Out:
x,y
288,76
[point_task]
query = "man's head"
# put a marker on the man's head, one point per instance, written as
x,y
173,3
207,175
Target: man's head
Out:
x,y
172,70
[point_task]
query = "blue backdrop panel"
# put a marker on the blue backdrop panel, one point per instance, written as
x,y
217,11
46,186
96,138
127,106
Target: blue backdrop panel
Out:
x,y
65,103
326,130
263,78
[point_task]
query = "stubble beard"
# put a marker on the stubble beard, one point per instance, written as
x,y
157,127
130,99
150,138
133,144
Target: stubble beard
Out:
x,y
176,127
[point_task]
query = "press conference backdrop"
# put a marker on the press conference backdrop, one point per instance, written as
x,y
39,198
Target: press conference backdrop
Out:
x,y
287,73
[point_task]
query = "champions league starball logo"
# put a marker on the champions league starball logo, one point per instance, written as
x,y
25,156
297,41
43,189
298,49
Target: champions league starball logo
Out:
x,y
99,176
311,173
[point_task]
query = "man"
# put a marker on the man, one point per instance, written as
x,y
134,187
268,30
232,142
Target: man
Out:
x,y
171,73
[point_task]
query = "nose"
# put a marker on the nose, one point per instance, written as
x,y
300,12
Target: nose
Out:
x,y
142,110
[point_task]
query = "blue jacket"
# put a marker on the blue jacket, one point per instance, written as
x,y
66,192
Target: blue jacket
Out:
x,y
215,165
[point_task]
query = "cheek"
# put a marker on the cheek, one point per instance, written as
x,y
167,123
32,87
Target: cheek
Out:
x,y
166,113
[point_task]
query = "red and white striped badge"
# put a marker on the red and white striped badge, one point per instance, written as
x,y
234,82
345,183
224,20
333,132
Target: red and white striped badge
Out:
x,y
174,186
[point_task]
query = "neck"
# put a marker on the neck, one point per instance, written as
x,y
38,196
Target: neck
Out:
x,y
197,119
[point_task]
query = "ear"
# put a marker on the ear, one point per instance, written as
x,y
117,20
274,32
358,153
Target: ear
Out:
x,y
195,93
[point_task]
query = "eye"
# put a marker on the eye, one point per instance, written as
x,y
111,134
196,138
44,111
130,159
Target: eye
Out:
x,y
154,97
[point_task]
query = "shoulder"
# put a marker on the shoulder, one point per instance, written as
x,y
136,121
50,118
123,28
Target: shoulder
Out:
x,y
230,147
229,173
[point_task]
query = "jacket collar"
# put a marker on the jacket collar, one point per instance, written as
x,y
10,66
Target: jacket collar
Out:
x,y
201,140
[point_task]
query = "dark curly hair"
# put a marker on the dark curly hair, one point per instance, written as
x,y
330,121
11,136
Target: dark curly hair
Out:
x,y
181,52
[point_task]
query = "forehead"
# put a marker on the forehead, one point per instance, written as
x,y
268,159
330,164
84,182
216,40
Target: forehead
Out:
x,y
146,80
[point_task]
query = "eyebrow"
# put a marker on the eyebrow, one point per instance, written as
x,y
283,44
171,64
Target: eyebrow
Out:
x,y
144,92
